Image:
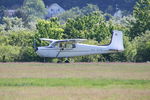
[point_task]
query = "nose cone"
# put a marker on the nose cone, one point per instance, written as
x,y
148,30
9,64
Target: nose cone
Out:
x,y
36,49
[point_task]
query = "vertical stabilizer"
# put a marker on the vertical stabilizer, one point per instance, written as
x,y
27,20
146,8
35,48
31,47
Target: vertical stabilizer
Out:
x,y
117,41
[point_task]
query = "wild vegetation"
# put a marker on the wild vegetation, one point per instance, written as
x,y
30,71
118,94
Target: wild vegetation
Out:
x,y
17,33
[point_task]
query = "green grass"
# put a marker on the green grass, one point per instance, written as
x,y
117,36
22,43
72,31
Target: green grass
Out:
x,y
74,82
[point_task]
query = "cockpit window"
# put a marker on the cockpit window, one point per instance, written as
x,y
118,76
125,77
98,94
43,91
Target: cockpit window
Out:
x,y
64,45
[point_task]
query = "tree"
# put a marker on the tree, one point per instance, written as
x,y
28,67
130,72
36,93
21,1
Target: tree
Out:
x,y
77,12
71,13
2,8
92,26
17,45
20,13
21,38
142,15
28,54
143,47
90,8
12,23
49,29
34,9
9,53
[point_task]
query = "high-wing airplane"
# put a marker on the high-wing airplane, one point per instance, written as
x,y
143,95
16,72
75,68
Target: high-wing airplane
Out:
x,y
74,47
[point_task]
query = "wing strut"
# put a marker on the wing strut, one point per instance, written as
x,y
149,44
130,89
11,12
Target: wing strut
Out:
x,y
59,52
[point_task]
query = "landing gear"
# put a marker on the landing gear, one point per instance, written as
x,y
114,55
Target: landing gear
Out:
x,y
63,60
67,61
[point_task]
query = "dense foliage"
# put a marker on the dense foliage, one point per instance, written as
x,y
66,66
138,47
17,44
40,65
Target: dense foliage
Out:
x,y
18,33
142,15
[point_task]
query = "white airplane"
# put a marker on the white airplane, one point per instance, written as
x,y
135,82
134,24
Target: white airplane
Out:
x,y
73,47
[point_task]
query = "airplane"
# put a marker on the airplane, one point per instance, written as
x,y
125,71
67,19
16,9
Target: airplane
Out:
x,y
73,47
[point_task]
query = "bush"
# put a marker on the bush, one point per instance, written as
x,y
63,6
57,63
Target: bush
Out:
x,y
143,47
21,38
9,53
28,54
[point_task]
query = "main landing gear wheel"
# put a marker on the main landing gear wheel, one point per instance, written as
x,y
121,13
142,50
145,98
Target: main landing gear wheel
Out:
x,y
62,60
67,61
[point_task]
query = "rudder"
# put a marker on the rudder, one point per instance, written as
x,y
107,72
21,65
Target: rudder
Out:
x,y
117,41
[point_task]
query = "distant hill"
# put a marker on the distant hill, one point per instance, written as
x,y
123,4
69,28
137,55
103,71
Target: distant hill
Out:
x,y
104,5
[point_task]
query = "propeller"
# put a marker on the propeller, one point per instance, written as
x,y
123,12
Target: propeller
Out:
x,y
34,45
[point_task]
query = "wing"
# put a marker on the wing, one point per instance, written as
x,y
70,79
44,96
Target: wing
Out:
x,y
54,42
72,40
45,39
67,40
58,41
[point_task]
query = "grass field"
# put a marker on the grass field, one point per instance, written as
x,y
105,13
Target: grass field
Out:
x,y
75,81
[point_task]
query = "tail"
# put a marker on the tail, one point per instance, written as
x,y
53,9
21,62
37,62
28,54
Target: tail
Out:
x,y
117,41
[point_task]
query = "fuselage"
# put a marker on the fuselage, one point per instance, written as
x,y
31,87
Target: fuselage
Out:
x,y
79,50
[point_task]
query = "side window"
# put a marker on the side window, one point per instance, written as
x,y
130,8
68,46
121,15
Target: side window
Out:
x,y
61,45
64,45
70,45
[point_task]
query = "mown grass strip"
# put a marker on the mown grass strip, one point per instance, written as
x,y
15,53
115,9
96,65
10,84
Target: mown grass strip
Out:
x,y
74,82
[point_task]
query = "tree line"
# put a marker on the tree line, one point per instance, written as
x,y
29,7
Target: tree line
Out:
x,y
18,33
104,5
